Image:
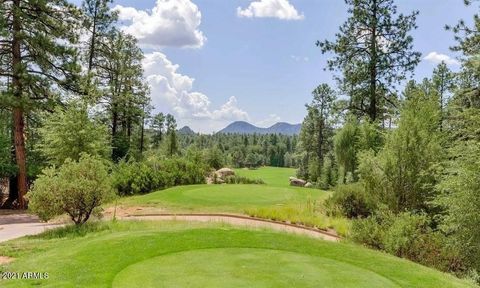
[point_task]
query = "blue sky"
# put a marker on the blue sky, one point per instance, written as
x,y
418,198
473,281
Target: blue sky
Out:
x,y
249,66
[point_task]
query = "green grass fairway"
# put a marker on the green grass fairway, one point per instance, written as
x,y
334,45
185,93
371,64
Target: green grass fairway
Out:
x,y
174,254
275,197
273,176
224,198
232,198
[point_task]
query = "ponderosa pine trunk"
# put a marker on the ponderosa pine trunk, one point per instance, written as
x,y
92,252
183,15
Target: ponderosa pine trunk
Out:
x,y
92,43
372,111
18,113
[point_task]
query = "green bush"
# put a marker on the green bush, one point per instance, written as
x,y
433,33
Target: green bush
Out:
x,y
431,249
132,177
235,179
350,201
408,236
182,171
76,188
400,238
371,231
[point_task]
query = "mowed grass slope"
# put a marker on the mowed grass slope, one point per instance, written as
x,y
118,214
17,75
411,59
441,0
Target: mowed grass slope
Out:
x,y
222,198
173,254
275,200
231,198
273,176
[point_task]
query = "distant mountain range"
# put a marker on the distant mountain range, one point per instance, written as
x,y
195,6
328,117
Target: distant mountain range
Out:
x,y
186,131
242,127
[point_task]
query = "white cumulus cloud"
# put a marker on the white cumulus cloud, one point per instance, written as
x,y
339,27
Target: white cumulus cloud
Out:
x,y
170,23
280,9
437,58
230,111
172,92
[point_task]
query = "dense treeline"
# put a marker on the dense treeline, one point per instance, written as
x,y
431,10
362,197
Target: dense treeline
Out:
x,y
404,164
219,150
237,150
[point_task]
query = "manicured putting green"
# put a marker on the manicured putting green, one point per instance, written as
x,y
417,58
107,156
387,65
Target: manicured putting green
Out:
x,y
178,254
224,198
245,267
273,176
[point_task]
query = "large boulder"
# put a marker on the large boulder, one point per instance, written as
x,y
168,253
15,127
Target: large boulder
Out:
x,y
224,173
297,182
308,185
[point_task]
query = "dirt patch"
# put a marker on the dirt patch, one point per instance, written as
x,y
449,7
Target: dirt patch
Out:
x,y
122,211
6,260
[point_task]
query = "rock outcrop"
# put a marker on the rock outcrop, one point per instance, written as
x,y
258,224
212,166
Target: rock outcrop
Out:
x,y
297,182
224,173
219,176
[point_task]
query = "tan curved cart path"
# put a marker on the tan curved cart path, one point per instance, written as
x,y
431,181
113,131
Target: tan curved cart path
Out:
x,y
28,225
238,220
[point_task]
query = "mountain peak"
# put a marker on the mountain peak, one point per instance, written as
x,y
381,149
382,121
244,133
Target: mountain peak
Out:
x,y
242,127
186,130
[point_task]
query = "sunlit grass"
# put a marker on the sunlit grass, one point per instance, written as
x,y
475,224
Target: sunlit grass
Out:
x,y
309,214
181,254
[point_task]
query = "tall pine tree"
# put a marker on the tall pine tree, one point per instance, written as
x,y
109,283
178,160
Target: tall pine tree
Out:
x,y
374,53
98,20
38,61
317,132
126,94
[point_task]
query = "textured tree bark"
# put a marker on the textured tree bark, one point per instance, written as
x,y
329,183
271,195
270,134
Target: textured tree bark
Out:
x,y
372,111
142,135
18,113
20,156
